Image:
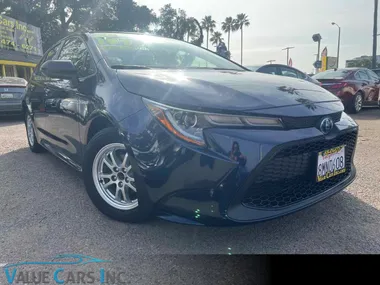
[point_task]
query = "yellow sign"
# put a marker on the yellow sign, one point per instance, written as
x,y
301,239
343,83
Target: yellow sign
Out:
x,y
324,59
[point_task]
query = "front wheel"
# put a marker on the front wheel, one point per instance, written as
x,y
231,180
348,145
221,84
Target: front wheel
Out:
x,y
110,179
31,135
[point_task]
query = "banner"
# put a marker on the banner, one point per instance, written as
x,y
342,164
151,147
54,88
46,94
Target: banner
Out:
x,y
19,36
324,59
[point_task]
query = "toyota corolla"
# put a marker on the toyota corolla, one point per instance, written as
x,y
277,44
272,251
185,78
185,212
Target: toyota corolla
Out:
x,y
162,127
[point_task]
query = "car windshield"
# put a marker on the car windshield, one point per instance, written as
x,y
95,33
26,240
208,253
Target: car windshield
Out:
x,y
333,74
144,51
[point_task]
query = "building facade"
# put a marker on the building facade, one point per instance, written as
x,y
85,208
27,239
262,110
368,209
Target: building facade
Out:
x,y
20,48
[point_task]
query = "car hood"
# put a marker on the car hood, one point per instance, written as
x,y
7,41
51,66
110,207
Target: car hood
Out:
x,y
227,91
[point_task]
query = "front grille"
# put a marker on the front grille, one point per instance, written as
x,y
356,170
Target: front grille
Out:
x,y
290,176
308,122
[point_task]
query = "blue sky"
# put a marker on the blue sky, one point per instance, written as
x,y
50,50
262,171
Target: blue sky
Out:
x,y
276,24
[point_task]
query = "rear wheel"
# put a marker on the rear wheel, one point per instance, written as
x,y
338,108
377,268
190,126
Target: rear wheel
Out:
x,y
31,135
357,103
109,178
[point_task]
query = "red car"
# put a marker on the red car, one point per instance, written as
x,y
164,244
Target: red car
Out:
x,y
356,87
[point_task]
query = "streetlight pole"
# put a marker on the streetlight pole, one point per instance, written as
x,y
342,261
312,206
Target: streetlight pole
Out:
x,y
317,38
287,54
337,55
374,45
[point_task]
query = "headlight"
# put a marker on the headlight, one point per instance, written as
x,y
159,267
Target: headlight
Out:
x,y
189,125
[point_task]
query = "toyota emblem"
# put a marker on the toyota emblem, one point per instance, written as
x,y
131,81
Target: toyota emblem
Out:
x,y
327,125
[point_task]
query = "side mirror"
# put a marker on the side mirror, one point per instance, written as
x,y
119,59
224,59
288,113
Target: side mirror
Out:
x,y
60,69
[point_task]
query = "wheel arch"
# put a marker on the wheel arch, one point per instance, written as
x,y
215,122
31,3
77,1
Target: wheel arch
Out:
x,y
98,123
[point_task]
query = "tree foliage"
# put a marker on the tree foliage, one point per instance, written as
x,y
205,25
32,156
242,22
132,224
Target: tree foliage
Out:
x,y
174,23
228,26
209,25
240,22
57,18
216,38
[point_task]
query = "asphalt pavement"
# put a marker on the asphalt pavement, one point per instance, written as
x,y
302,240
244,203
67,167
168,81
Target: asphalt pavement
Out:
x,y
44,211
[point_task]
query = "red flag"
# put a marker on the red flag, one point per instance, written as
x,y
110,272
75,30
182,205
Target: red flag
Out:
x,y
290,62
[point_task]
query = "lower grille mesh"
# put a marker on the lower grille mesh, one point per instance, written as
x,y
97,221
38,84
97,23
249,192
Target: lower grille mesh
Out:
x,y
290,176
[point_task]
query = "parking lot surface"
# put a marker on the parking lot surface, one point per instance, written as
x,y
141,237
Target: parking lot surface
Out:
x,y
45,211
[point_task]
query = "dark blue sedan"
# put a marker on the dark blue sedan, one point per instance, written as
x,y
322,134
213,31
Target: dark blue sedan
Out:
x,y
162,127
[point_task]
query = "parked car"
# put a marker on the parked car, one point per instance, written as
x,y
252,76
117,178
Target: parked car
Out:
x,y
12,90
283,70
356,87
377,71
168,128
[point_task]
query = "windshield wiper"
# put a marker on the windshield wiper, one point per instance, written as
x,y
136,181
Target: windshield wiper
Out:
x,y
120,66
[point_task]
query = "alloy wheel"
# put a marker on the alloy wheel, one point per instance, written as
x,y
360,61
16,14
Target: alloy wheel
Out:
x,y
29,130
358,103
113,177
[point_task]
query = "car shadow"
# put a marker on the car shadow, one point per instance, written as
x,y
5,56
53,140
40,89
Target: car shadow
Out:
x,y
53,194
367,114
10,120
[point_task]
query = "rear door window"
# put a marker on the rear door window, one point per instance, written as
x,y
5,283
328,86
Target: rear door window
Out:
x,y
289,72
268,69
373,75
361,75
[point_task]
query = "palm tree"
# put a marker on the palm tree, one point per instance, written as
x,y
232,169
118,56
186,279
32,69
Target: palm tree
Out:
x,y
240,22
228,27
216,38
190,28
209,25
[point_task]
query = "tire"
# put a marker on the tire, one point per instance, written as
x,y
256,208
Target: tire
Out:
x,y
111,200
31,135
355,107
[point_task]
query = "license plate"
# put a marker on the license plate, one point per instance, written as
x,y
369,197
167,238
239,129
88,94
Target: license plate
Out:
x,y
331,163
6,96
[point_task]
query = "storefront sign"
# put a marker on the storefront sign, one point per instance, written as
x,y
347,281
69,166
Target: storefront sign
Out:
x,y
19,36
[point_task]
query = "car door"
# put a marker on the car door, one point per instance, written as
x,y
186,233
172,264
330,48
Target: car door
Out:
x,y
36,95
62,105
375,84
364,84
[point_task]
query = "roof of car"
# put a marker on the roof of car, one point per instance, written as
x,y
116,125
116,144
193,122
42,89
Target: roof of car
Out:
x,y
13,81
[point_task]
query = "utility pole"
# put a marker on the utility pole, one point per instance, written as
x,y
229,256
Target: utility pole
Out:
x,y
316,58
374,47
287,54
337,54
271,60
317,38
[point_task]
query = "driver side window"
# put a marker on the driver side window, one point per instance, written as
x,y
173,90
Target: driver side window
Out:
x,y
185,61
199,62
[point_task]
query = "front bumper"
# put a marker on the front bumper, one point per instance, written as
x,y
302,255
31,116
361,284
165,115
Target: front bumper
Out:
x,y
205,186
8,108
